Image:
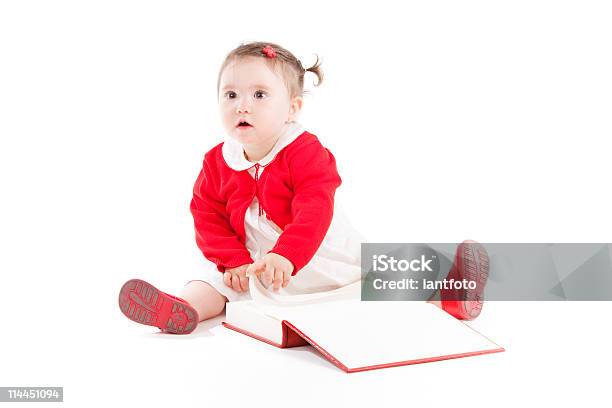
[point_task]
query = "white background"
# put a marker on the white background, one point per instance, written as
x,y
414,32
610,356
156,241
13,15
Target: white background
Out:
x,y
449,120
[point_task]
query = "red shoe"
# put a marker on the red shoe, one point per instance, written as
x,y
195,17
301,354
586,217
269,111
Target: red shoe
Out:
x,y
471,263
144,303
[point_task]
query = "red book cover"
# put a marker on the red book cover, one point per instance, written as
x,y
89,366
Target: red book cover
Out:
x,y
293,337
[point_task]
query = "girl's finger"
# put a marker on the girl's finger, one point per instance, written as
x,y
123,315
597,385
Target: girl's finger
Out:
x,y
236,283
278,278
244,282
227,279
286,278
268,275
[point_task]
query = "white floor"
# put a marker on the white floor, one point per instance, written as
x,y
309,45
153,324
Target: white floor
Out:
x,y
557,355
108,107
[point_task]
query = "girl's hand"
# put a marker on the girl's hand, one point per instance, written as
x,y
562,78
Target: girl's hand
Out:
x,y
236,278
272,268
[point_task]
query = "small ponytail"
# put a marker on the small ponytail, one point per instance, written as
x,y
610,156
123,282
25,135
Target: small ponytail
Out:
x,y
316,69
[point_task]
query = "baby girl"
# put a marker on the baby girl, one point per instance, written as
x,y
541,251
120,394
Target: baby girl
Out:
x,y
263,203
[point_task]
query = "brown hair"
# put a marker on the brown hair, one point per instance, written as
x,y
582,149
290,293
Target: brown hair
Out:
x,y
290,67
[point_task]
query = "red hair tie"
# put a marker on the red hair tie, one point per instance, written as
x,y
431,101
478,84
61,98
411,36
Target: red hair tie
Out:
x,y
269,51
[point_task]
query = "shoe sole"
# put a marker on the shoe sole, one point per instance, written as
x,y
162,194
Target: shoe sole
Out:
x,y
472,264
143,303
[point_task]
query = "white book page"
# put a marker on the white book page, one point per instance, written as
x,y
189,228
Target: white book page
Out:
x,y
247,316
361,334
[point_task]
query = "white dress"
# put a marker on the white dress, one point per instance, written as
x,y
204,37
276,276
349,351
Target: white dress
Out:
x,y
337,262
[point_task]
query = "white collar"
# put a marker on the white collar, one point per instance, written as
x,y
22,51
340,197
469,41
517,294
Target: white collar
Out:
x,y
233,152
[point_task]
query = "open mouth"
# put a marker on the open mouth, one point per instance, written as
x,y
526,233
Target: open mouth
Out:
x,y
243,125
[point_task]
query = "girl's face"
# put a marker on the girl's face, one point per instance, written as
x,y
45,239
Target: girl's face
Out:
x,y
254,102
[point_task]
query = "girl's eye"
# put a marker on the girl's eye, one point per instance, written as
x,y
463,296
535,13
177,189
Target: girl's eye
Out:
x,y
230,94
260,94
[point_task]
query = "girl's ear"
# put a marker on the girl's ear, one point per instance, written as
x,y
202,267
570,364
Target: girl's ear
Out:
x,y
295,107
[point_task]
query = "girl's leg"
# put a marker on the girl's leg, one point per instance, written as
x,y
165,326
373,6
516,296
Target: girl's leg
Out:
x,y
203,298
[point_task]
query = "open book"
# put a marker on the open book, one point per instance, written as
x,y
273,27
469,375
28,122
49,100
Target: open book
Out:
x,y
352,334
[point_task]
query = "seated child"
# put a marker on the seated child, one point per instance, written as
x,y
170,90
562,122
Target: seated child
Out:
x,y
263,204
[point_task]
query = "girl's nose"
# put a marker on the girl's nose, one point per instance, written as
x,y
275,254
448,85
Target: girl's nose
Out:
x,y
243,107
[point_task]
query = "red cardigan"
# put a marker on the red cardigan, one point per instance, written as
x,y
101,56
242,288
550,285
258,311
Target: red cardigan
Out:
x,y
295,191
